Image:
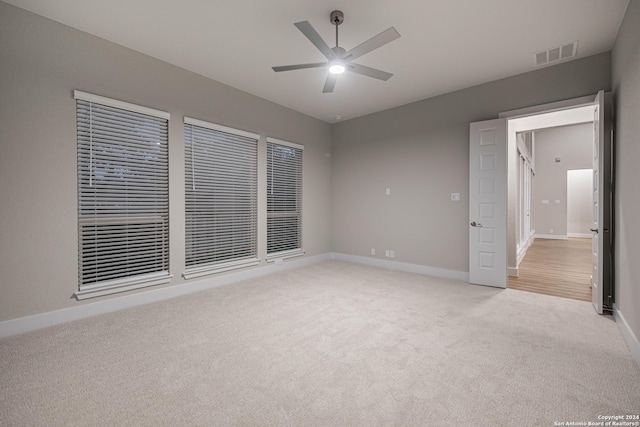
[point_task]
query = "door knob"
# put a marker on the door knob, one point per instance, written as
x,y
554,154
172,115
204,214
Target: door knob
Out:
x,y
473,224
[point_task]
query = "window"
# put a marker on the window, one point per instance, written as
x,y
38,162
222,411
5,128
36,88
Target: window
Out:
x,y
284,199
123,196
221,198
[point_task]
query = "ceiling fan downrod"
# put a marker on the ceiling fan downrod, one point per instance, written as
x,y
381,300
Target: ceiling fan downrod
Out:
x,y
336,17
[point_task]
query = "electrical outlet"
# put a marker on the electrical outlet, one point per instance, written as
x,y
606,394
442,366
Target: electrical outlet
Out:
x,y
551,231
392,254
373,251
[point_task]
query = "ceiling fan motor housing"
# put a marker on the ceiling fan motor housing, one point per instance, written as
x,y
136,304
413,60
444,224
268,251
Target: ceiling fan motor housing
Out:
x,y
337,17
339,51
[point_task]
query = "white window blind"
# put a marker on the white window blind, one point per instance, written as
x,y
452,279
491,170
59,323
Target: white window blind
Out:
x,y
123,196
221,198
284,199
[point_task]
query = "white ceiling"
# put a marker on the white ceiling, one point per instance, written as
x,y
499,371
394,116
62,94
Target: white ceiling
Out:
x,y
446,45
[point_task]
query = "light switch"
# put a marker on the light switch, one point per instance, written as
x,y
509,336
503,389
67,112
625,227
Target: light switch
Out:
x,y
557,202
545,202
388,192
455,197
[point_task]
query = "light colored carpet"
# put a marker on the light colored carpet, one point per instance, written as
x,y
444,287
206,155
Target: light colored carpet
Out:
x,y
332,344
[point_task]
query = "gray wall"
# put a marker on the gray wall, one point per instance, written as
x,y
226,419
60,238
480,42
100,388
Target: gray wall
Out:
x,y
574,145
626,87
41,63
421,152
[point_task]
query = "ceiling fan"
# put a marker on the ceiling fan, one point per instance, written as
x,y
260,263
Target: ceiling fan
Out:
x,y
339,60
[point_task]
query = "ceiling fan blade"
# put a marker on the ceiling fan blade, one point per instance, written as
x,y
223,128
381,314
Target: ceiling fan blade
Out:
x,y
313,36
330,83
299,66
387,36
369,72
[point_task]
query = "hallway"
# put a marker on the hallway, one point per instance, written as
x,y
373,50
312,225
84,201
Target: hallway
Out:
x,y
556,267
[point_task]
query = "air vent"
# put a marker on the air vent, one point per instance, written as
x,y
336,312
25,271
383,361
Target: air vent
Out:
x,y
555,54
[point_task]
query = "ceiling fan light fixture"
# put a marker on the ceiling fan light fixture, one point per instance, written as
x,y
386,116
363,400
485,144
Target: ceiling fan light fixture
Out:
x,y
337,66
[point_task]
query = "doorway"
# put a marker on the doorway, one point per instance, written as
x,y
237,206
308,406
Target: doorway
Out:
x,y
579,203
552,248
492,184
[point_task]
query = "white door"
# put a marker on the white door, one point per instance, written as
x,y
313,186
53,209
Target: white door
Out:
x,y
597,228
488,203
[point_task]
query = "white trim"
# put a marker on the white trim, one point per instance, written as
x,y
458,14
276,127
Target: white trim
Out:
x,y
123,285
551,236
522,251
120,104
285,143
43,320
403,266
193,272
547,108
627,333
581,235
553,119
225,129
284,255
513,272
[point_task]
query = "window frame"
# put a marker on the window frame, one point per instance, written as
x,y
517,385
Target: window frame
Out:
x,y
88,289
299,251
207,268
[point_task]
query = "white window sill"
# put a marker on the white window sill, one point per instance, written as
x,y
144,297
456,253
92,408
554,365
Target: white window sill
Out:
x,y
194,272
123,285
274,257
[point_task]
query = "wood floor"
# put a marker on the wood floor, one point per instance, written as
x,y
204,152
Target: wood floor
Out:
x,y
556,267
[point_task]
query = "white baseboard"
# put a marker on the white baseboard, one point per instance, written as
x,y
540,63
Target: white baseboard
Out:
x,y
513,272
627,333
551,236
43,320
581,235
403,266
